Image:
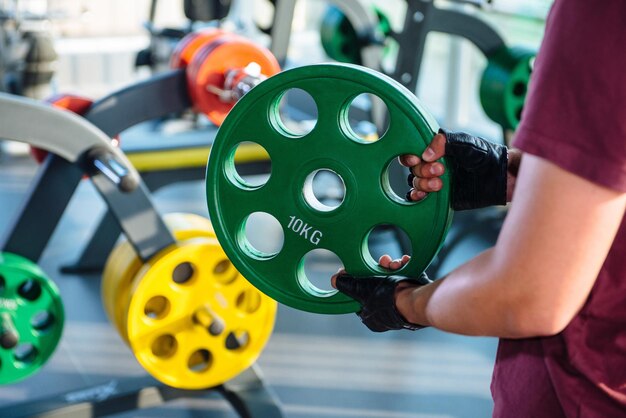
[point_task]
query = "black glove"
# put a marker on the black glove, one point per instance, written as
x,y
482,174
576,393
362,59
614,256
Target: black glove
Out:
x,y
479,171
376,294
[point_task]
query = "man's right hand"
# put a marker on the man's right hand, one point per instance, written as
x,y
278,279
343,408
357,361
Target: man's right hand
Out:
x,y
483,173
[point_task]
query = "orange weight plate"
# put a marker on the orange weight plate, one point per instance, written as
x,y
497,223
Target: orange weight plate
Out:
x,y
189,45
210,65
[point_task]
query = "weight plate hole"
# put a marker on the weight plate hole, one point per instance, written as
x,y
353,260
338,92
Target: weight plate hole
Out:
x,y
200,361
264,236
395,182
387,239
157,307
366,119
25,353
222,267
324,190
518,113
519,89
8,339
216,328
183,272
237,340
3,283
316,267
248,301
295,114
42,321
30,290
243,166
224,272
165,346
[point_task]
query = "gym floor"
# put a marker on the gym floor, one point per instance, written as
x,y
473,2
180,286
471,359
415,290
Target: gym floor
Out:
x,y
317,365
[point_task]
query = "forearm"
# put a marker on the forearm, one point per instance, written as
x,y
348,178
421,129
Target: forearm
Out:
x,y
489,296
471,300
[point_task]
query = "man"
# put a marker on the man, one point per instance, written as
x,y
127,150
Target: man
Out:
x,y
553,288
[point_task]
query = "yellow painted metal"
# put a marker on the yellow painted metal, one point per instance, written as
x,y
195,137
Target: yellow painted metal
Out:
x,y
169,159
145,161
190,318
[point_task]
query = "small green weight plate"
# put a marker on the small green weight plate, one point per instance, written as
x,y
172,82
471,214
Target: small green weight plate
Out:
x,y
369,200
340,40
31,318
504,85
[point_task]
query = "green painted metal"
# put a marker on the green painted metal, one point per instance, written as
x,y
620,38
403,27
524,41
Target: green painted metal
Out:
x,y
31,318
368,202
340,40
504,85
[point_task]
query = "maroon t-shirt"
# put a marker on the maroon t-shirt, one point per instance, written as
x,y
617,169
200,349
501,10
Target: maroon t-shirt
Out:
x,y
575,117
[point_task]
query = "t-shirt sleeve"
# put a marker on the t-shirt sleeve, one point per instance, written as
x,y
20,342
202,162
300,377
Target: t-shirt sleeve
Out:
x,y
575,112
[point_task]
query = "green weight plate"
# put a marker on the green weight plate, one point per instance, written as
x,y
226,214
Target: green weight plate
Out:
x,y
340,40
504,85
368,202
31,318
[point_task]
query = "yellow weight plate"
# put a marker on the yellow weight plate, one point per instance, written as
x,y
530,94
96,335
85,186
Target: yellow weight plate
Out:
x,y
122,266
117,277
188,225
193,321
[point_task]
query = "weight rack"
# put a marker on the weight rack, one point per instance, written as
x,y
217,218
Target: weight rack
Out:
x,y
123,190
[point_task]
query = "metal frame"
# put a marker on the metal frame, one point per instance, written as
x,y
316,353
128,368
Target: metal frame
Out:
x,y
246,393
422,17
156,97
33,122
85,149
59,177
363,18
